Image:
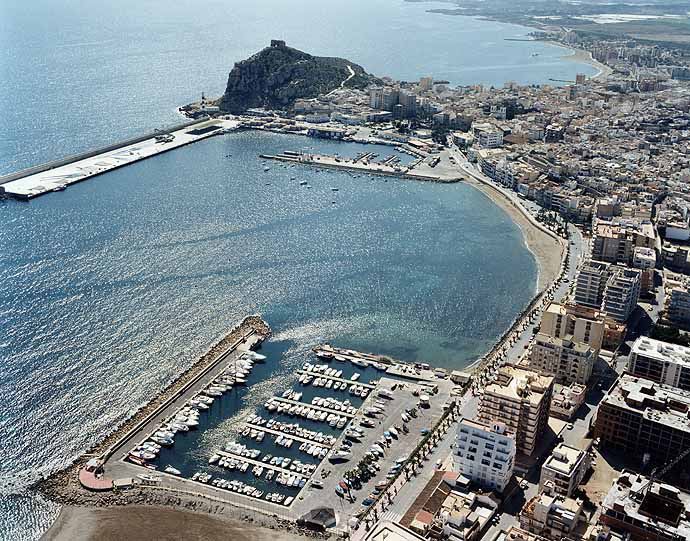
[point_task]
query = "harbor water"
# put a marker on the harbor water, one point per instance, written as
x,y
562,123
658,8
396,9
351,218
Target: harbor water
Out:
x,y
109,289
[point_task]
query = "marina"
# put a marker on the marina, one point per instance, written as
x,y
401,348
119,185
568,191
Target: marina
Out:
x,y
418,170
275,458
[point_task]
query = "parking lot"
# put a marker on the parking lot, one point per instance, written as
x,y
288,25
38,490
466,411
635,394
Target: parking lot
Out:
x,y
405,397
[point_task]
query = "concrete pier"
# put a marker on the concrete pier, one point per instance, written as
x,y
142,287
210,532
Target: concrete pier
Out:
x,y
312,406
60,174
341,380
264,465
364,167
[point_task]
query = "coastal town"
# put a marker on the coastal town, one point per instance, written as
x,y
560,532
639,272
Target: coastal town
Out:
x,y
574,426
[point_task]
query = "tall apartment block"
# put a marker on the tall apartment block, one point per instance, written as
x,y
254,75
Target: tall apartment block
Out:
x,y
621,293
583,324
520,399
569,361
644,419
484,453
591,283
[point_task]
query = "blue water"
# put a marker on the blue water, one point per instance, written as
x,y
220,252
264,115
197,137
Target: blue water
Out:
x,y
77,75
109,289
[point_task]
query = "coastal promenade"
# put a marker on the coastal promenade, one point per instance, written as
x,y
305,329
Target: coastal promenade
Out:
x,y
60,174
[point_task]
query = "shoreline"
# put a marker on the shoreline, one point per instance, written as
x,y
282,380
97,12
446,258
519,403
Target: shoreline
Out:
x,y
539,243
145,522
581,56
79,516
550,264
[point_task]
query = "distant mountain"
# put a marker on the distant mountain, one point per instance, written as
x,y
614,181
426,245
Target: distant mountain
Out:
x,y
276,76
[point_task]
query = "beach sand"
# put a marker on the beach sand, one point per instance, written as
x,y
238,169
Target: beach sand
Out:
x,y
149,523
584,57
547,251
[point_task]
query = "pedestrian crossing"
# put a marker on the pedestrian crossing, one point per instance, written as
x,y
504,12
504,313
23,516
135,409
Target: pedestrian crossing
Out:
x,y
391,516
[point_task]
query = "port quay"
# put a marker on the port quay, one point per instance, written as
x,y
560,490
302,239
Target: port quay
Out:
x,y
58,175
387,412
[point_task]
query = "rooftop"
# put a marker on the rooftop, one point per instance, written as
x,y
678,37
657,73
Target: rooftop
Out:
x,y
564,459
391,531
658,403
661,351
658,506
519,383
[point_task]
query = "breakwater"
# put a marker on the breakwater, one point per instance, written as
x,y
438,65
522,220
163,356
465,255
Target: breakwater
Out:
x,y
58,175
64,487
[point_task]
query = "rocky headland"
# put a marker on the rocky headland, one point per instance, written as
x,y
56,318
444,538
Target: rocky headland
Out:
x,y
276,76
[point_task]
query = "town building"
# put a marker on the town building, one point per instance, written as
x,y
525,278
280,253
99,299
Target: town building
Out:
x,y
569,361
564,470
583,324
487,135
385,530
621,293
484,453
644,259
615,242
520,399
644,419
591,283
554,517
567,400
660,362
446,508
677,300
465,515
426,83
326,132
646,510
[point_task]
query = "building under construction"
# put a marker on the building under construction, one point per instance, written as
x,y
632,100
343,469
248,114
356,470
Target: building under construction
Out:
x,y
648,420
647,510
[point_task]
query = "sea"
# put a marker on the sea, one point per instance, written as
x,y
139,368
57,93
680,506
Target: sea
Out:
x,y
111,288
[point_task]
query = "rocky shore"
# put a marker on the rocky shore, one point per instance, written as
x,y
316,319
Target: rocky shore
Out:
x,y
63,486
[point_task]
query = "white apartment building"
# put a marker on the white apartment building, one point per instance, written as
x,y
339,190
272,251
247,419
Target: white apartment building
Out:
x,y
564,470
487,135
660,362
569,361
484,453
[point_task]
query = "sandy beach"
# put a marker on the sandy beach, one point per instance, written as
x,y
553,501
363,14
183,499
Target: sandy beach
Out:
x,y
147,523
584,57
546,249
